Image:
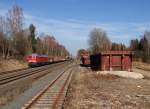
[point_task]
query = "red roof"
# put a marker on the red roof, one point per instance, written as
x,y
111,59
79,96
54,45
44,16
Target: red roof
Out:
x,y
116,52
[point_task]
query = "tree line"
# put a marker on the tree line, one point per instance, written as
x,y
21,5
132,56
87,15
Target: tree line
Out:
x,y
16,41
141,47
99,41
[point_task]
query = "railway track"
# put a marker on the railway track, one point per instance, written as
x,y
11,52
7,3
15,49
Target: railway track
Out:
x,y
52,96
17,70
7,78
24,69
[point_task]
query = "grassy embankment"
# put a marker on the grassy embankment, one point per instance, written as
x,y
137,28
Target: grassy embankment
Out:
x,y
11,64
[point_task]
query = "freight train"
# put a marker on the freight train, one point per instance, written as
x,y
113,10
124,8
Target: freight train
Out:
x,y
34,60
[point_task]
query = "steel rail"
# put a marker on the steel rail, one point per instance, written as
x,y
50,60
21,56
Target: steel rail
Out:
x,y
61,92
17,77
12,71
25,69
48,88
12,78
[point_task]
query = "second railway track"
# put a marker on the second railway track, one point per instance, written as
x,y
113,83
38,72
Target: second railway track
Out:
x,y
4,79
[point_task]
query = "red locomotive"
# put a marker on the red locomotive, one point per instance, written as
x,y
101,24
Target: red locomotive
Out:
x,y
37,60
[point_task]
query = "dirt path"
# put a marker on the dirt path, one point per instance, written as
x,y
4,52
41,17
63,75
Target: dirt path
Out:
x,y
91,91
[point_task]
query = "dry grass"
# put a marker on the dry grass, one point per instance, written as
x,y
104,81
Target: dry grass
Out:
x,y
142,65
83,86
95,91
11,64
142,68
9,92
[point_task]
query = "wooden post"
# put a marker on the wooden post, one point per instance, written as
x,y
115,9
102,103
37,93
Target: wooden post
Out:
x,y
122,61
110,62
131,56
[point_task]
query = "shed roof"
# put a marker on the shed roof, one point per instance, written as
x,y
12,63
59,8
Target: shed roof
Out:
x,y
116,52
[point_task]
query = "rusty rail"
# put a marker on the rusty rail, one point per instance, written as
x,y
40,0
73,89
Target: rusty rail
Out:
x,y
60,93
48,89
25,73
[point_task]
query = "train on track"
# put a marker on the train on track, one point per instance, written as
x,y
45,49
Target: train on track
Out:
x,y
35,60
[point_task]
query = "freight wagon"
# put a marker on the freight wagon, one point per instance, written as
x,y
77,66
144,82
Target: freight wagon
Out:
x,y
85,60
112,60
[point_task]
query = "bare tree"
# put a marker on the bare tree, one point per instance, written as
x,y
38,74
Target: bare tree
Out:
x,y
99,41
48,45
39,46
134,44
15,17
18,42
142,47
4,40
118,46
15,20
82,52
28,41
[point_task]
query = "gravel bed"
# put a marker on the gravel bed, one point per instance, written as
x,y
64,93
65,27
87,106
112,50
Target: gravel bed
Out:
x,y
10,91
124,74
89,90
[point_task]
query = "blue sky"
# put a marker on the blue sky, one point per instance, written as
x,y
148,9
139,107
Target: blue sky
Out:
x,y
71,21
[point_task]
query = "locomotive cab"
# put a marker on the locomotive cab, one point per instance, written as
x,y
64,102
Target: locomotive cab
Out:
x,y
37,60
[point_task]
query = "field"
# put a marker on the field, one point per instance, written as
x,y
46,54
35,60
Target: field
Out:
x,y
141,65
11,64
89,90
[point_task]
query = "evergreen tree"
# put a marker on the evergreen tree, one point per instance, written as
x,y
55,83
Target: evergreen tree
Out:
x,y
32,29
